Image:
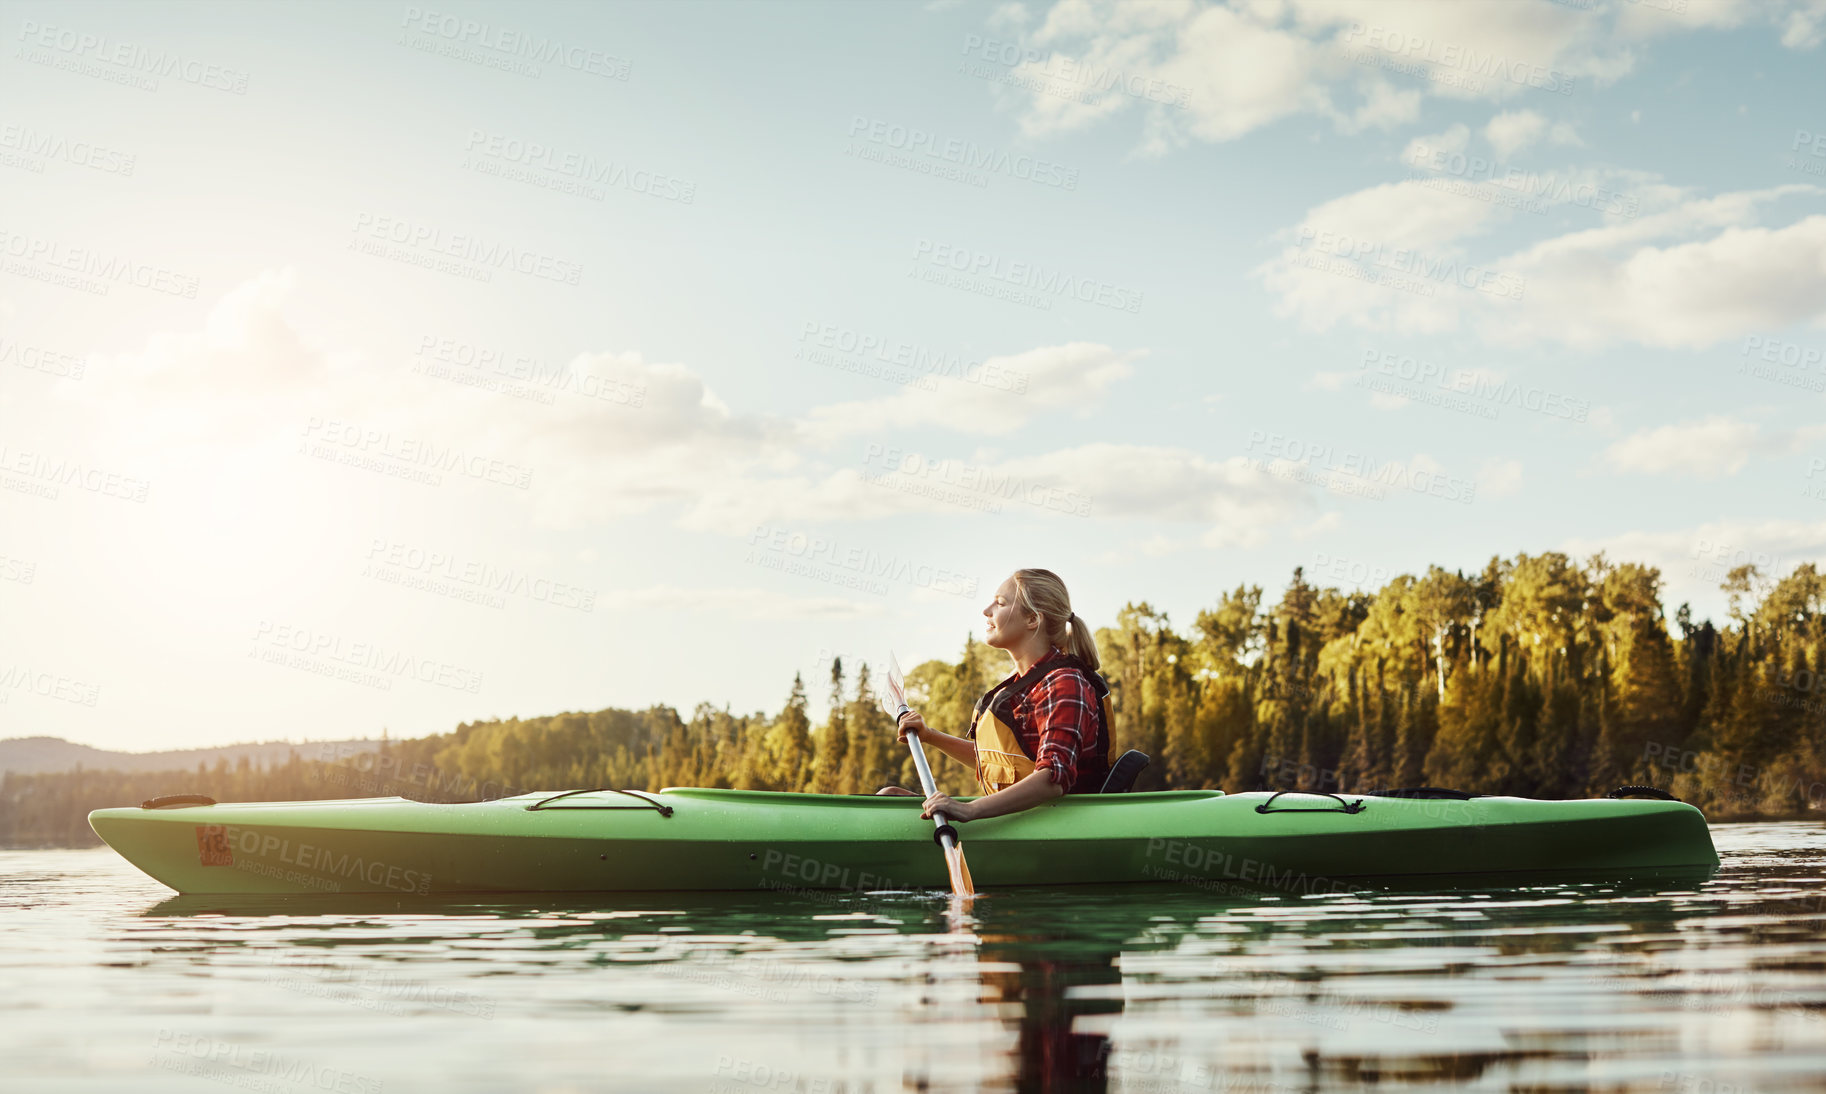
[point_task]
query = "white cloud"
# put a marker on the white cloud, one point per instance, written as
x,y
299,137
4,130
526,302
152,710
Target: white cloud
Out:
x,y
1643,20
1498,478
732,495
1154,546
1161,546
1236,68
1423,150
677,450
1803,29
1399,214
1236,501
1681,215
1714,447
1488,52
1357,475
996,397
1384,107
1479,379
1513,131
1399,223
1241,66
1695,560
246,352
1327,522
1235,498
1689,272
1008,17
1241,74
1613,284
1506,134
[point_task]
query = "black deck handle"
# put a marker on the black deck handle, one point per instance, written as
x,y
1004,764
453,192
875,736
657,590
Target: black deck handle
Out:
x,y
1349,807
1642,792
177,799
648,803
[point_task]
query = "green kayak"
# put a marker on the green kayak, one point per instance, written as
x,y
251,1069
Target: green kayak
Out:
x,y
694,839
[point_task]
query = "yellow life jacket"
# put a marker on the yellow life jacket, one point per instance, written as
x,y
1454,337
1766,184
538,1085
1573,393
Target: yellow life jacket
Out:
x,y
1001,761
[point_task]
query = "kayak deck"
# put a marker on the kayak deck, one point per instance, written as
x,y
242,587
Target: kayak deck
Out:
x,y
702,839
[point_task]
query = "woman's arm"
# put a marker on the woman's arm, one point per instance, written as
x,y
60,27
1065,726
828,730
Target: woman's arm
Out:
x,y
1063,706
1036,789
957,748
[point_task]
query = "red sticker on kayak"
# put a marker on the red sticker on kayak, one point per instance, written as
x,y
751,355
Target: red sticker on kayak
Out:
x,y
212,845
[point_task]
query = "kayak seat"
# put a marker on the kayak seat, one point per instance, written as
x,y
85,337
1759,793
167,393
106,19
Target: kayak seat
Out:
x,y
1427,792
1123,772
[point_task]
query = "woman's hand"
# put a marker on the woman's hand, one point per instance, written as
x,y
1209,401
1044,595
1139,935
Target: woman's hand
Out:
x,y
909,720
954,810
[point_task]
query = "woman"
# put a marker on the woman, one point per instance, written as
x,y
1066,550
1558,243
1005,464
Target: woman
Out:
x,y
1042,732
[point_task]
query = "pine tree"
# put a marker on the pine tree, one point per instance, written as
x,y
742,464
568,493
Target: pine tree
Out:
x,y
1358,769
833,741
871,735
1410,733
787,755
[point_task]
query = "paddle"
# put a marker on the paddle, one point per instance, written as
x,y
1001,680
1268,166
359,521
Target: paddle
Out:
x,y
896,702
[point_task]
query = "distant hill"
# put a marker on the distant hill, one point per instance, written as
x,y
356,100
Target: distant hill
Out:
x,y
40,755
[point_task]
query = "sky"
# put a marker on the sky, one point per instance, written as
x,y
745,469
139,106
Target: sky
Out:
x,y
389,366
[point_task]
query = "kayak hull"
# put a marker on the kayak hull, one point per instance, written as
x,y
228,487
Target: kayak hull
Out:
x,y
697,839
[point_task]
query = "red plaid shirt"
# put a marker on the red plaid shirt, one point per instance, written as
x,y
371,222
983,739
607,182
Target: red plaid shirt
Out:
x,y
1058,721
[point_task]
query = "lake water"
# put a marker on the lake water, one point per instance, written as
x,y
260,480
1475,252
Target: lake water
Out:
x,y
113,984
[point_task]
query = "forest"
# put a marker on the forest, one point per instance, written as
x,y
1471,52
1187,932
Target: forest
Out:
x,y
1540,676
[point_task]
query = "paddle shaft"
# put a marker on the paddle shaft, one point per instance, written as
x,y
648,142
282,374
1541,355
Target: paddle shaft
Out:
x,y
925,780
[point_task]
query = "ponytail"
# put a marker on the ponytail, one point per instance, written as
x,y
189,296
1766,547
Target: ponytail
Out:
x,y
1083,644
1042,593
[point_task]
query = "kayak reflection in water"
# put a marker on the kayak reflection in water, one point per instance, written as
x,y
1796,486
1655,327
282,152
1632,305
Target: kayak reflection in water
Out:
x,y
1043,731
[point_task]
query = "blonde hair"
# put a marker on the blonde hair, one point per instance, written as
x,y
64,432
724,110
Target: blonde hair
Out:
x,y
1041,593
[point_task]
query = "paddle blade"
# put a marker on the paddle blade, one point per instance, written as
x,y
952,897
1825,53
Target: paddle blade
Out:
x,y
897,682
893,689
961,884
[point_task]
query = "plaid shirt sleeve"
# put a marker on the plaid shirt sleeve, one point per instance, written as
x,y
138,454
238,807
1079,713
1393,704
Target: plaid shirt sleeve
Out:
x,y
1064,717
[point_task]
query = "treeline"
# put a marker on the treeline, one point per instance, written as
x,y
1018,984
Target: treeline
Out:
x,y
853,752
1539,676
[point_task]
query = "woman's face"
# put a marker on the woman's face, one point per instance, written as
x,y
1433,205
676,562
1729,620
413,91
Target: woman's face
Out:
x,y
1007,625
